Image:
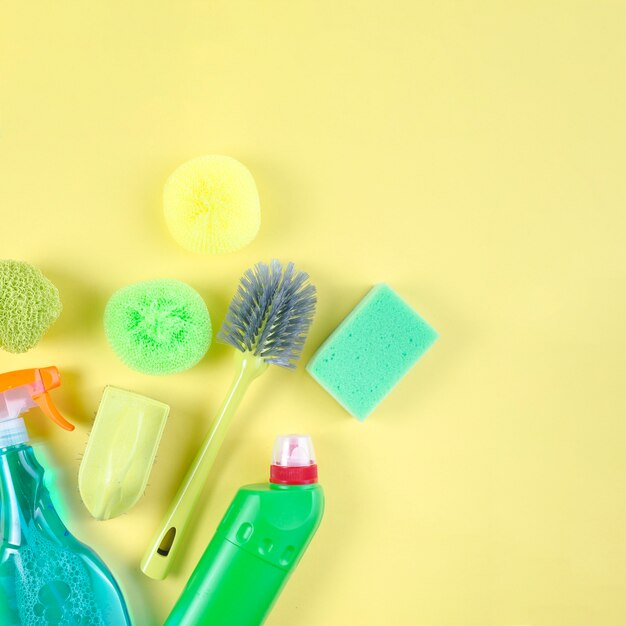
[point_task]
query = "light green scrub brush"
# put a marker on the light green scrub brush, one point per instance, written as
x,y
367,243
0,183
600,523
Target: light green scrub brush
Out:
x,y
267,322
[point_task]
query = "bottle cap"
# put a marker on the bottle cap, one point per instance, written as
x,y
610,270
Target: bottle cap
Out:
x,y
293,461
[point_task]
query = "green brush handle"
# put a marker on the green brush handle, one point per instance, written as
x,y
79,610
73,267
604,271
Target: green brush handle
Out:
x,y
158,559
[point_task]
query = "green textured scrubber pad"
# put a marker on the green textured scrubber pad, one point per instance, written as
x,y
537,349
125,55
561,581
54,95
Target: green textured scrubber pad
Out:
x,y
211,205
158,326
29,304
371,350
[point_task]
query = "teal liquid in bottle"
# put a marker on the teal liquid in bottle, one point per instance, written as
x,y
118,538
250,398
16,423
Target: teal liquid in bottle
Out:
x,y
47,577
257,545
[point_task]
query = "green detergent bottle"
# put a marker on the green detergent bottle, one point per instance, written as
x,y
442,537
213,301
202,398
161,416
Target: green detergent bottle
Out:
x,y
257,545
47,577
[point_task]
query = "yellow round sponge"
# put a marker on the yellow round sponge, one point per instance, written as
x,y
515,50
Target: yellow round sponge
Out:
x,y
212,205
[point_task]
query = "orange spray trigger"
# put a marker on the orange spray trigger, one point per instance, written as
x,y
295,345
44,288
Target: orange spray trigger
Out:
x,y
21,391
49,378
47,406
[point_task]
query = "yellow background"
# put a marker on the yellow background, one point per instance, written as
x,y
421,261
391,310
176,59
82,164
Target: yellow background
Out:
x,y
472,154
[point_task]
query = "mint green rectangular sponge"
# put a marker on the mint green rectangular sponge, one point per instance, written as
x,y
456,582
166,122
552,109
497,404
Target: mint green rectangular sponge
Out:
x,y
371,350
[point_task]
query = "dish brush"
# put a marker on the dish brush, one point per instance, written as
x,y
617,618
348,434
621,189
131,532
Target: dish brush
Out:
x,y
267,322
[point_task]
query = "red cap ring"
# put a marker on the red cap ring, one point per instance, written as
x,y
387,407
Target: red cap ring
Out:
x,y
285,475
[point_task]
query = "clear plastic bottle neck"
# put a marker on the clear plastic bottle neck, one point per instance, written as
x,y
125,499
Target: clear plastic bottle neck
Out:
x,y
12,432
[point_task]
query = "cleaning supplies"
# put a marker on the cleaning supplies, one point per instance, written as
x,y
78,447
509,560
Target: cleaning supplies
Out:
x,y
46,575
371,350
120,452
258,543
267,322
211,205
29,305
158,326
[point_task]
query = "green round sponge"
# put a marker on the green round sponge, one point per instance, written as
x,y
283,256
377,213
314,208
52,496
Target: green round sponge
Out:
x,y
29,304
211,205
158,326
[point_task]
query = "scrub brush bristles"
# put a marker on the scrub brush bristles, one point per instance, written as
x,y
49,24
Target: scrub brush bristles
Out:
x,y
271,313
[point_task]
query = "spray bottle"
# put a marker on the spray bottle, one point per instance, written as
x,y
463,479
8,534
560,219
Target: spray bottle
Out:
x,y
258,543
47,577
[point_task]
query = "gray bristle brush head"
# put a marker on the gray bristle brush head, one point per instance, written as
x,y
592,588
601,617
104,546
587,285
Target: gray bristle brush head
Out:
x,y
271,313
